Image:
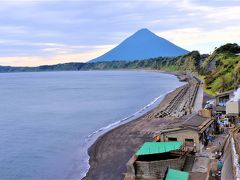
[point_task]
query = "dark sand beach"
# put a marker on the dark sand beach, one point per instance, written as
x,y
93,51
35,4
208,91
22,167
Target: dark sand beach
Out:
x,y
111,151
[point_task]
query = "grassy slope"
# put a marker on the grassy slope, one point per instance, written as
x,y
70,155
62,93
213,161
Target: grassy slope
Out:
x,y
226,73
222,76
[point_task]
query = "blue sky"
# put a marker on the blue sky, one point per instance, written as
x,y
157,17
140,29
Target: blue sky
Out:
x,y
54,31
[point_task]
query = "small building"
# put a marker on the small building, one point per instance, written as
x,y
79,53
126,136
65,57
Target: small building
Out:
x,y
233,108
233,111
173,174
154,158
221,101
195,132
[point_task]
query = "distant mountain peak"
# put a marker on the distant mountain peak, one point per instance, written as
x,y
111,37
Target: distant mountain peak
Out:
x,y
143,44
145,30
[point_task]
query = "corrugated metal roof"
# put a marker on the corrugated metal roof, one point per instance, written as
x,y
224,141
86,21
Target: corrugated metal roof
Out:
x,y
173,174
158,147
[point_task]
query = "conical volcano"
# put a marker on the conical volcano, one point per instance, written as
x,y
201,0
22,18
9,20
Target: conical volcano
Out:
x,y
142,45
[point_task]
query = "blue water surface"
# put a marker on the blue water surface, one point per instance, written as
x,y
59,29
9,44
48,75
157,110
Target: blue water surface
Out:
x,y
46,117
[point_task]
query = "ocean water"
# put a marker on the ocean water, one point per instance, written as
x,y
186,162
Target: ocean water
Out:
x,y
48,119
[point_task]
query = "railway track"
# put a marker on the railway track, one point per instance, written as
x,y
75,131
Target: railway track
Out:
x,y
183,102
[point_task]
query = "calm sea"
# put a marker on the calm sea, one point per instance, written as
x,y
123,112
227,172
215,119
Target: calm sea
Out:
x,y
48,119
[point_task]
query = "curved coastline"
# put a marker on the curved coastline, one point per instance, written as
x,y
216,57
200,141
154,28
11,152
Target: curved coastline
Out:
x,y
137,114
99,135
93,137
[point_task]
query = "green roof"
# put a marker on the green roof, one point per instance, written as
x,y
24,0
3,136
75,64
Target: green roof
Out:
x,y
158,147
173,174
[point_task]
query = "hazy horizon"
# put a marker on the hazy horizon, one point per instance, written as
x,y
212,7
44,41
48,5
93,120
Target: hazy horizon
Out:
x,y
54,31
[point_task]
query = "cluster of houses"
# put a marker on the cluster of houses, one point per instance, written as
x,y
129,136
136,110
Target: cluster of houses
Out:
x,y
177,152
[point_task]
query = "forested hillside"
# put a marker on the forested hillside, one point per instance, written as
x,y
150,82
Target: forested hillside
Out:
x,y
220,70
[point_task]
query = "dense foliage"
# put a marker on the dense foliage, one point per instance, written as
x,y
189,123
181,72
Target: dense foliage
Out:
x,y
222,69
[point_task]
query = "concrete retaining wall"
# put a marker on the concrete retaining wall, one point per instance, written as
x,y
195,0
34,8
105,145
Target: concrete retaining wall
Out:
x,y
157,169
227,170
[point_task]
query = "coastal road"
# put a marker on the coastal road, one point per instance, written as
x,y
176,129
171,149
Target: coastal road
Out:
x,y
198,104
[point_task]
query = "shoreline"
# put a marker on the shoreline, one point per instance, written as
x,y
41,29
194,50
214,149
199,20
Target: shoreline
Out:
x,y
107,137
93,137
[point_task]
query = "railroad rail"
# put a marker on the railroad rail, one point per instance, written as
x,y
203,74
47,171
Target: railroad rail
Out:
x,y
183,102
